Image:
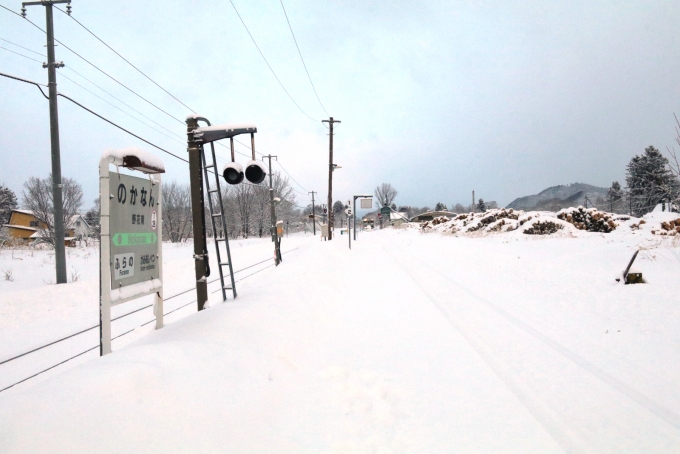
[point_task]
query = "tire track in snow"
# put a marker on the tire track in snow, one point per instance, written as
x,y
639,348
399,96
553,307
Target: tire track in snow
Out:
x,y
551,421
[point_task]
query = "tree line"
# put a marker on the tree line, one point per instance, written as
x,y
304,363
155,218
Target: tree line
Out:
x,y
246,206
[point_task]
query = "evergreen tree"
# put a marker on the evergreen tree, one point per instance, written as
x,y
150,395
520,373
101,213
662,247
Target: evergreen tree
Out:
x,y
8,202
650,181
481,206
614,196
440,207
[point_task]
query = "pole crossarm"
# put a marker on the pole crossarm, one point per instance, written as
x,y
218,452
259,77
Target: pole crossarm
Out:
x,y
45,2
208,134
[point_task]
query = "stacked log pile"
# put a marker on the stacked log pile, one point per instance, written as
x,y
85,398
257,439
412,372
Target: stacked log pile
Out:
x,y
543,228
588,219
670,228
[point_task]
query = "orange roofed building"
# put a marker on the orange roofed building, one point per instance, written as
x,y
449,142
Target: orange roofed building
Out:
x,y
24,226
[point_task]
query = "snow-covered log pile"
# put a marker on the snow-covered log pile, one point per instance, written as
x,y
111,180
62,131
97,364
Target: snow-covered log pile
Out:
x,y
670,227
543,228
496,221
567,222
588,219
533,222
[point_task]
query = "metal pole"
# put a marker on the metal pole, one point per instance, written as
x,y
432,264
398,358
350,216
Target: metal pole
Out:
x,y
196,181
354,217
349,235
59,248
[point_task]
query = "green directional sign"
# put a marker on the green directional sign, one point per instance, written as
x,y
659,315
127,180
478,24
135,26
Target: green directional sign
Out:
x,y
134,239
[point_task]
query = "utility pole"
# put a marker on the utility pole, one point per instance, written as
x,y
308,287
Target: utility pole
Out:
x,y
51,65
197,211
330,122
272,229
313,211
473,200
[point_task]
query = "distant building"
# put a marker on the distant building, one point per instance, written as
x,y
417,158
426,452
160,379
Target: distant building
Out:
x,y
23,224
429,215
26,227
397,218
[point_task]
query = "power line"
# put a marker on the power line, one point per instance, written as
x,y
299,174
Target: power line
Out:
x,y
282,168
303,60
125,59
96,67
268,65
21,55
121,128
27,81
25,48
138,95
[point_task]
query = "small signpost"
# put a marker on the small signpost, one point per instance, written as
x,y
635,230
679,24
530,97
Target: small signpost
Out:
x,y
366,203
348,211
131,236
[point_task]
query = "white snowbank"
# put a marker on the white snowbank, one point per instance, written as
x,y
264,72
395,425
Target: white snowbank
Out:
x,y
138,289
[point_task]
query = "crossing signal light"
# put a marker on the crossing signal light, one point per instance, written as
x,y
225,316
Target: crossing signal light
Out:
x,y
233,173
255,172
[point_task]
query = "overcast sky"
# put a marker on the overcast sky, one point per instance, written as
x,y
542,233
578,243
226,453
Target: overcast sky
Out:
x,y
436,98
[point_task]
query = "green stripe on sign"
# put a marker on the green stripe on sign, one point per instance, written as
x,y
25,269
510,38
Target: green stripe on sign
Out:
x,y
134,239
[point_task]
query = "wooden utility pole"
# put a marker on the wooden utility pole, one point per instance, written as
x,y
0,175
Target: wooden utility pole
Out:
x,y
57,198
272,229
331,166
313,211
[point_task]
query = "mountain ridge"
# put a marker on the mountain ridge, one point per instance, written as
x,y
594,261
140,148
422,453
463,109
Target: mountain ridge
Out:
x,y
560,196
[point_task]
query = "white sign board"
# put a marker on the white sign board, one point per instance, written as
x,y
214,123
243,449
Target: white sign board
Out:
x,y
131,233
366,204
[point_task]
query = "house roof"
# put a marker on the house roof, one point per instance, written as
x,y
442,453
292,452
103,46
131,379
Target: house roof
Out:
x,y
23,211
21,227
435,214
72,221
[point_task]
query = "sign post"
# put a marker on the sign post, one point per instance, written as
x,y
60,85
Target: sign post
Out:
x,y
131,236
366,204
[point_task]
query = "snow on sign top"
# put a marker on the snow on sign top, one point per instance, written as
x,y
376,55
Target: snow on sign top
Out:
x,y
136,159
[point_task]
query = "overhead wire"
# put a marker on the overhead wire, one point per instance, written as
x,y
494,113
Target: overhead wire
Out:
x,y
303,60
138,95
95,66
25,48
124,59
268,65
21,55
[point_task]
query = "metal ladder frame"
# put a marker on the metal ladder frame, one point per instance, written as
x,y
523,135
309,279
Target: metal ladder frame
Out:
x,y
214,215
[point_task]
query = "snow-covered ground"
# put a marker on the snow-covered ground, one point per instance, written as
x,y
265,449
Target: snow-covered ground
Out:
x,y
410,342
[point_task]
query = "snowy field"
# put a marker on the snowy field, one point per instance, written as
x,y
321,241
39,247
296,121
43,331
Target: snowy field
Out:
x,y
410,342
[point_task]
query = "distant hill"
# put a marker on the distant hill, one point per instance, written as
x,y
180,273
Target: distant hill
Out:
x,y
558,197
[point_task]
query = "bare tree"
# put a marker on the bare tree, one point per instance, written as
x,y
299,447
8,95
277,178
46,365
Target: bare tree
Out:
x,y
385,194
244,196
37,197
177,220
